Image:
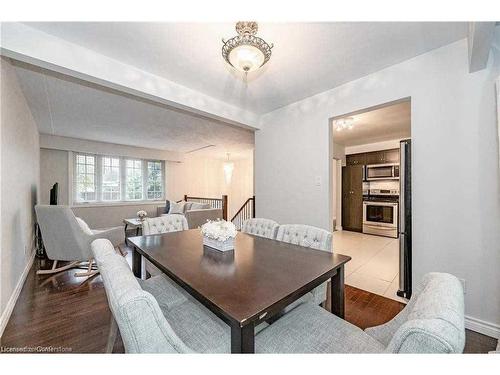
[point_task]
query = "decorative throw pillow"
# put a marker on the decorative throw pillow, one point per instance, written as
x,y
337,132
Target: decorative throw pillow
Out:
x,y
199,206
84,226
176,208
167,206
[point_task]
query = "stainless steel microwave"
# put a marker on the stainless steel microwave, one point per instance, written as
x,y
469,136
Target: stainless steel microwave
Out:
x,y
382,172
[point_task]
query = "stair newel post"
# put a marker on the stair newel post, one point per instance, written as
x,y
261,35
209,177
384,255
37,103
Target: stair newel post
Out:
x,y
253,207
224,207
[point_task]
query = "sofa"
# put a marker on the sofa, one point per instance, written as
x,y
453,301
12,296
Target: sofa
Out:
x,y
196,213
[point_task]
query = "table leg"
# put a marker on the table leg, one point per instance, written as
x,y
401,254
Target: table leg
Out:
x,y
137,263
337,293
242,339
125,230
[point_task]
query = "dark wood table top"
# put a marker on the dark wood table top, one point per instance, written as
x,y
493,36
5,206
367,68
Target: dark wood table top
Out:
x,y
241,285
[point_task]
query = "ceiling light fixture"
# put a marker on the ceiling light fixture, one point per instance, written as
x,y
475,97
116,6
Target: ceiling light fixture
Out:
x,y
344,123
246,52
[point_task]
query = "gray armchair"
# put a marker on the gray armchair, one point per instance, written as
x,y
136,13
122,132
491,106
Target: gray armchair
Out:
x,y
260,227
432,322
314,238
68,238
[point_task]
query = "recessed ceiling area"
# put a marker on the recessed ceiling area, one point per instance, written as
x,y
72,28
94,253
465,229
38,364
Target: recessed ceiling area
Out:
x,y
378,125
307,58
65,106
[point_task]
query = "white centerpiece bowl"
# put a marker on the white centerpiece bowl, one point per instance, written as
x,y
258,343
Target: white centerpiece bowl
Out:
x,y
219,235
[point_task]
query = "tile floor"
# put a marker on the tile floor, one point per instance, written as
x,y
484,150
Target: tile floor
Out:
x,y
375,262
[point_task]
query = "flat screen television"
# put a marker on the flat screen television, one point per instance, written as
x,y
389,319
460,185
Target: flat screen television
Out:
x,y
53,194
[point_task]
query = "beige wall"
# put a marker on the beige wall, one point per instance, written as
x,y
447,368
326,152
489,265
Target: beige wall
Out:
x,y
204,177
54,167
20,177
112,216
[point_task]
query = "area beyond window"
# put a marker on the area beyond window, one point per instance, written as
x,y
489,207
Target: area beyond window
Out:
x,y
101,178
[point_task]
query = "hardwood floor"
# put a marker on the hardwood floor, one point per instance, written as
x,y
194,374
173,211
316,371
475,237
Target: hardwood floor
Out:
x,y
71,314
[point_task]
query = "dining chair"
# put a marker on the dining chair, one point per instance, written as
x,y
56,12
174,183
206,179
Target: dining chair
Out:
x,y
68,238
156,315
260,227
163,224
432,322
310,237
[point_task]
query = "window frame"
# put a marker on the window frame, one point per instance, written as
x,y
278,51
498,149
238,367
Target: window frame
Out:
x,y
98,180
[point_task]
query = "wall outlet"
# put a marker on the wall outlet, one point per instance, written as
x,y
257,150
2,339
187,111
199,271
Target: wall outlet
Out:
x,y
463,284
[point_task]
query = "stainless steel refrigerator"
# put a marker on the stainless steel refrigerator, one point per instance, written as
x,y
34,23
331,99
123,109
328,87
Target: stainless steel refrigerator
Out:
x,y
405,219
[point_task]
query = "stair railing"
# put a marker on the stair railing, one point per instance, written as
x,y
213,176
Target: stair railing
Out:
x,y
246,211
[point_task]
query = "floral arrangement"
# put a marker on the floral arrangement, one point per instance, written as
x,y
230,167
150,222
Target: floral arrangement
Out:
x,y
219,230
142,214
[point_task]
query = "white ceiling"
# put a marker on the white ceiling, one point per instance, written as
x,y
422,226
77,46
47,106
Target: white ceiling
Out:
x,y
68,107
307,58
382,124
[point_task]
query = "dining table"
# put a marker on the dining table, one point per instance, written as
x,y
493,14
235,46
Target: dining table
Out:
x,y
245,286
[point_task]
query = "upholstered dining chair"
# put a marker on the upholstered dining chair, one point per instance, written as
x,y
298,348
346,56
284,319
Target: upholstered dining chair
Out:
x,y
311,237
260,227
68,238
163,224
432,322
157,316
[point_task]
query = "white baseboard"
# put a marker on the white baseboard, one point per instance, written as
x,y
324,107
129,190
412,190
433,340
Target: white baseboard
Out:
x,y
15,295
480,326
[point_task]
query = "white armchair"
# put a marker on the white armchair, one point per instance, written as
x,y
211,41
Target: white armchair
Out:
x,y
68,238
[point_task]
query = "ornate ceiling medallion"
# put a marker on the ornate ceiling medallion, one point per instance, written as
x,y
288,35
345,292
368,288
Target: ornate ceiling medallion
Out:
x,y
246,52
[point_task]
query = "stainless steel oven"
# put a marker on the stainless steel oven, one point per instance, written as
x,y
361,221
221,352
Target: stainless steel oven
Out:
x,y
380,218
382,172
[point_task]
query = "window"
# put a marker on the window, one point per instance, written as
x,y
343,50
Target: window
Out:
x,y
133,178
155,180
85,178
111,179
100,178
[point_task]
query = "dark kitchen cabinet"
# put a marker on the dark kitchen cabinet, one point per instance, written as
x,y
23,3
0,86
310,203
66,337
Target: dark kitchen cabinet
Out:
x,y
382,157
352,197
356,159
376,157
391,156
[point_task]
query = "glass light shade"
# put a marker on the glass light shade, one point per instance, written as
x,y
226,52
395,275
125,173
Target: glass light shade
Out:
x,y
228,171
246,58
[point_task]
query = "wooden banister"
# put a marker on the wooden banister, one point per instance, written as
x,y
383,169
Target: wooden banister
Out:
x,y
246,211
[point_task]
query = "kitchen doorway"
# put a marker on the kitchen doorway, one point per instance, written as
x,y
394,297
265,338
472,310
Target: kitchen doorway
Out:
x,y
371,197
